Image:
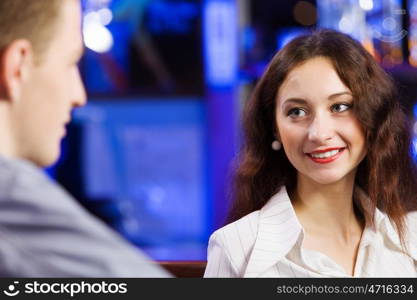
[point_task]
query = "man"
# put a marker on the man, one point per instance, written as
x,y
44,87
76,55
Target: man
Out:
x,y
43,231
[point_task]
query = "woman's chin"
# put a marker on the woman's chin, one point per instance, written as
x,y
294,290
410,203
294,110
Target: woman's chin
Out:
x,y
326,179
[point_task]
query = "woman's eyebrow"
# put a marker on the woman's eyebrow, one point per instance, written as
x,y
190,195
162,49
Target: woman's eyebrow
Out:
x,y
332,96
302,101
295,100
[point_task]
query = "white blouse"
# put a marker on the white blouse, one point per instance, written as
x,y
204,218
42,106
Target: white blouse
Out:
x,y
267,243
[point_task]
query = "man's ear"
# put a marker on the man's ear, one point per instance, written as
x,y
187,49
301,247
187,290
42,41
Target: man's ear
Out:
x,y
15,61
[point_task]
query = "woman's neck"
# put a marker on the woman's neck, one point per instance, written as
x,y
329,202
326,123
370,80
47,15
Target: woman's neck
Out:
x,y
327,209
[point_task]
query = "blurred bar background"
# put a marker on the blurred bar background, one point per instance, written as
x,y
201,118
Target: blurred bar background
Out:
x,y
151,153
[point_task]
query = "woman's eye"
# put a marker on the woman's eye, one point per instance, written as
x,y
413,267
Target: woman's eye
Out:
x,y
296,113
340,107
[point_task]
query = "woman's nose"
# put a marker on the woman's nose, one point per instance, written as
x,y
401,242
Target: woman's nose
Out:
x,y
320,130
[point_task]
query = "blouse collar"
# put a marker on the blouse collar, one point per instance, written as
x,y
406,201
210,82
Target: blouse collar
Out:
x,y
279,230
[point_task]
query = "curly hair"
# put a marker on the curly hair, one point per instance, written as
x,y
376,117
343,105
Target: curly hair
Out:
x,y
387,174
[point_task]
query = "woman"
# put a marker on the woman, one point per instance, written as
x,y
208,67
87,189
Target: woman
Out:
x,y
325,182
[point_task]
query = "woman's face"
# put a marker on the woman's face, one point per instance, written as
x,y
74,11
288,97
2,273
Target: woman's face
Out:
x,y
320,133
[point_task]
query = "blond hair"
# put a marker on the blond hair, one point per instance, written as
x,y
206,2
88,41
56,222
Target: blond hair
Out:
x,y
34,20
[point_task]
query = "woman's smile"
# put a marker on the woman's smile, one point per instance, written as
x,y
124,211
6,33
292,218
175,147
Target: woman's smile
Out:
x,y
325,156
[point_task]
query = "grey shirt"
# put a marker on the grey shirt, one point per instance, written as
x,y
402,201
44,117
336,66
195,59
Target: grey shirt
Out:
x,y
44,232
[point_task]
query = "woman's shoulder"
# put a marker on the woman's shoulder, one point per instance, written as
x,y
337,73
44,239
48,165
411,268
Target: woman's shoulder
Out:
x,y
240,233
247,223
412,217
411,220
232,245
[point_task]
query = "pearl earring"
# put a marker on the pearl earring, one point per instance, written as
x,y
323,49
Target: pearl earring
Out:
x,y
276,145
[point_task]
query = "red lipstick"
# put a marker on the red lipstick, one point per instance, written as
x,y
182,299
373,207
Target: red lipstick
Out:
x,y
326,160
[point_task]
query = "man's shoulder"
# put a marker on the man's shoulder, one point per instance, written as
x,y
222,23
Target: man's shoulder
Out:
x,y
10,171
29,199
46,232
25,187
19,173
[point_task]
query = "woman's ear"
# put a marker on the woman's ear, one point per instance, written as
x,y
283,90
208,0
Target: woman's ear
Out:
x,y
14,68
277,135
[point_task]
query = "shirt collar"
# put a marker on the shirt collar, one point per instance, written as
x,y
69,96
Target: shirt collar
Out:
x,y
279,229
384,226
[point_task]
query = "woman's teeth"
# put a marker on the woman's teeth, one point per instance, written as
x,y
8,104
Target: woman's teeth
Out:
x,y
325,154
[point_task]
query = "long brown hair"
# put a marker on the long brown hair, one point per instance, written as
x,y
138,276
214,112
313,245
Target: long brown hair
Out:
x,y
387,174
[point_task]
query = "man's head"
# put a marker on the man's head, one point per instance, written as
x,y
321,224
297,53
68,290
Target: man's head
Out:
x,y
40,46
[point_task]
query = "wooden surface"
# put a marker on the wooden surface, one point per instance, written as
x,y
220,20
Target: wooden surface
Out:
x,y
185,269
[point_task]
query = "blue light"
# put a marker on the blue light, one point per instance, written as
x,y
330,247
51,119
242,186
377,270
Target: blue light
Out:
x,y
177,17
288,34
220,42
414,149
